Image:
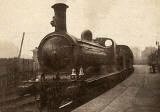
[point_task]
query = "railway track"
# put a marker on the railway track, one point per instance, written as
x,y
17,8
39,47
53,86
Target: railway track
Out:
x,y
14,103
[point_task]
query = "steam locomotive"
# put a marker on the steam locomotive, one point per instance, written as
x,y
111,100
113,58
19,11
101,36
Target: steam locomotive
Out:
x,y
68,63
60,50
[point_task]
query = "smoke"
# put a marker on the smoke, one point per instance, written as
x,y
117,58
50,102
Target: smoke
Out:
x,y
8,50
91,14
61,1
94,12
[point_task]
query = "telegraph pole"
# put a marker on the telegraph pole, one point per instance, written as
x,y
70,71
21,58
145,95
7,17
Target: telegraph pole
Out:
x,y
17,66
158,55
19,55
157,43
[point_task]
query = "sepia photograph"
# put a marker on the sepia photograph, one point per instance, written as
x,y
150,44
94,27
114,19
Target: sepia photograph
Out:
x,y
80,56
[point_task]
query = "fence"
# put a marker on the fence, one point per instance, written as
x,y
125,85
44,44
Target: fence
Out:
x,y
14,70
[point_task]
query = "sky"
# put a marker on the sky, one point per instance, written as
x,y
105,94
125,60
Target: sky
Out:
x,y
129,22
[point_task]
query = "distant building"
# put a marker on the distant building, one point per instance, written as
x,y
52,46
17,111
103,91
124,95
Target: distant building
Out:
x,y
137,55
35,59
147,51
136,52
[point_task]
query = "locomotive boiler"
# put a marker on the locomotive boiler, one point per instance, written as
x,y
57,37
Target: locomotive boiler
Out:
x,y
59,50
68,64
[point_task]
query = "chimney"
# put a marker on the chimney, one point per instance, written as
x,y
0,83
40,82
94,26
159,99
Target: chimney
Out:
x,y
59,20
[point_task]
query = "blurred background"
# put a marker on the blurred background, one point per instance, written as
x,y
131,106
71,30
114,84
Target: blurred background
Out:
x,y
131,22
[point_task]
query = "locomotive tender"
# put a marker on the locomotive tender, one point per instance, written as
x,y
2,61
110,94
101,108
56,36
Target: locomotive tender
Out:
x,y
71,62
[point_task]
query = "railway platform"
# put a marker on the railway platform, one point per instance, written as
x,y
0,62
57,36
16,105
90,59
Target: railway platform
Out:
x,y
138,93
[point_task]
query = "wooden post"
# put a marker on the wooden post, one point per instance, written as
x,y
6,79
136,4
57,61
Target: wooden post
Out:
x,y
19,55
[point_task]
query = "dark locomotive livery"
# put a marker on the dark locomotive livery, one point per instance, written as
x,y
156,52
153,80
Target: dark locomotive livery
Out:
x,y
67,63
59,50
